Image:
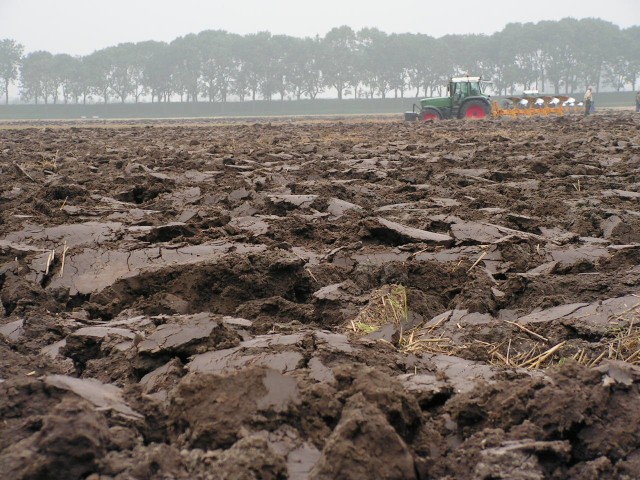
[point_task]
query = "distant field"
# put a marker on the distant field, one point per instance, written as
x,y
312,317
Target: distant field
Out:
x,y
331,107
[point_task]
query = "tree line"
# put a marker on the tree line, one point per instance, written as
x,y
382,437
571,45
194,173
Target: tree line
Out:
x,y
214,65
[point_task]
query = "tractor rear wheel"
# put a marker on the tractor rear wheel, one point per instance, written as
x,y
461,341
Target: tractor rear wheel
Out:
x,y
475,109
430,114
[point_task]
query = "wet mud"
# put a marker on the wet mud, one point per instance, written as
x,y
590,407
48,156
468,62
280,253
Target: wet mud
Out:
x,y
321,299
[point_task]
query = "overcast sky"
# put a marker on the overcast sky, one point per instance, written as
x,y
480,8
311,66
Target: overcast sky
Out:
x,y
79,27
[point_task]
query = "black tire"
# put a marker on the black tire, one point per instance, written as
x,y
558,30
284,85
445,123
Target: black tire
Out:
x,y
430,114
475,109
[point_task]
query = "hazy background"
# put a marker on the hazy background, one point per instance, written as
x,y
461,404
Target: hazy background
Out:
x,y
79,27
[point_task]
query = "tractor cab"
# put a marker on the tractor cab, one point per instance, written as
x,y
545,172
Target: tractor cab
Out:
x,y
463,87
465,99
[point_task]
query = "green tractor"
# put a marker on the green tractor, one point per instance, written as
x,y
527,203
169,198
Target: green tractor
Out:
x,y
466,100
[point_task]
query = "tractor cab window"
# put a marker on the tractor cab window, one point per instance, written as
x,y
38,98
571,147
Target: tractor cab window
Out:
x,y
457,90
460,90
474,89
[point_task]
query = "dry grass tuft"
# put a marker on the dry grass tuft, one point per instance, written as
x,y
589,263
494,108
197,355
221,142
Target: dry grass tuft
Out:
x,y
625,343
425,339
521,348
387,305
621,343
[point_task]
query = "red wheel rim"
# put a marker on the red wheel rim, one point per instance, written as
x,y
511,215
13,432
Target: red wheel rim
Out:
x,y
429,116
475,111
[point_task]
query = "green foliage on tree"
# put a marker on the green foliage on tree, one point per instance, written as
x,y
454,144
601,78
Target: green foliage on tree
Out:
x,y
10,55
338,59
37,75
553,56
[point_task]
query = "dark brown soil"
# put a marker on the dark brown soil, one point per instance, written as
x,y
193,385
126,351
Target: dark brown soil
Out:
x,y
179,301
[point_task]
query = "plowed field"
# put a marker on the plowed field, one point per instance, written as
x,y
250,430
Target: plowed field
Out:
x,y
321,299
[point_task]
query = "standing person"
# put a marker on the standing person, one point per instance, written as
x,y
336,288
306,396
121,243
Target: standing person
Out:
x,y
588,99
638,102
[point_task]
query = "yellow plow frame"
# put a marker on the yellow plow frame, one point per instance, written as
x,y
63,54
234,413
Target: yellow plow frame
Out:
x,y
528,111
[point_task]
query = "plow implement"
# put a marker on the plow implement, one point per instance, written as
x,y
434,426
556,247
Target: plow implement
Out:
x,y
533,106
